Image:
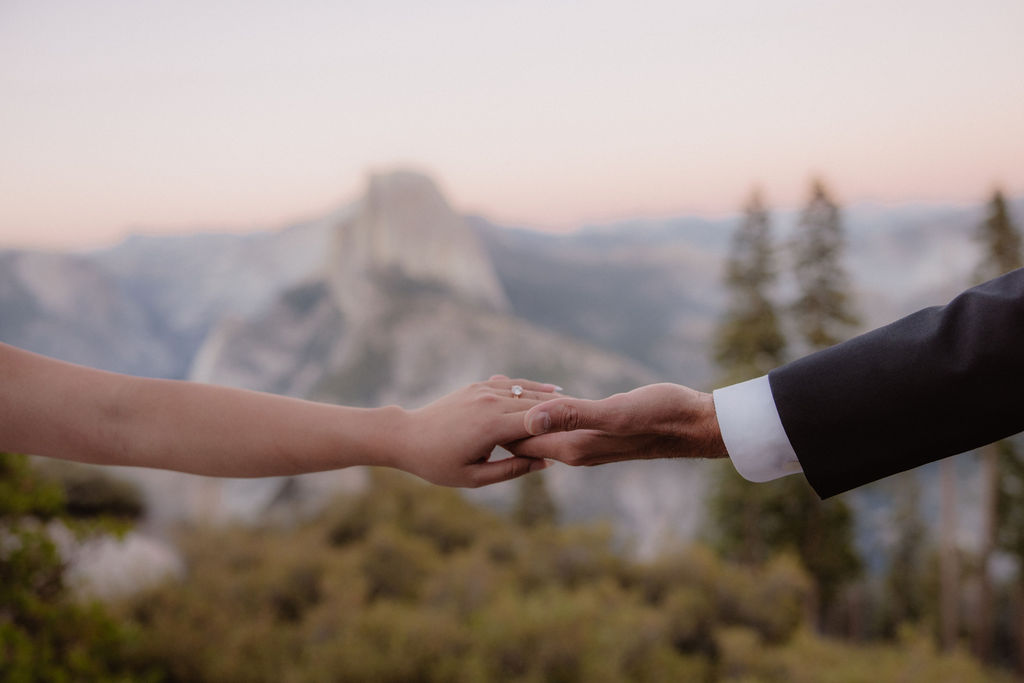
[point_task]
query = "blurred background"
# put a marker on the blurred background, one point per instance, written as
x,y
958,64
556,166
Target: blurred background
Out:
x,y
373,203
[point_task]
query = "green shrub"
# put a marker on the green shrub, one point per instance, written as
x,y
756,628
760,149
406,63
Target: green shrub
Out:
x,y
395,565
45,635
407,582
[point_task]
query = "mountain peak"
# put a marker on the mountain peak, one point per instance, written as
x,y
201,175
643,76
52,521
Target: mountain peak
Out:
x,y
404,224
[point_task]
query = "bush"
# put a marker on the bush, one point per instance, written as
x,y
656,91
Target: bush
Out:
x,y
395,565
91,491
408,582
45,635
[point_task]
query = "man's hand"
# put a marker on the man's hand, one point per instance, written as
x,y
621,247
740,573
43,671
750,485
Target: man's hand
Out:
x,y
655,421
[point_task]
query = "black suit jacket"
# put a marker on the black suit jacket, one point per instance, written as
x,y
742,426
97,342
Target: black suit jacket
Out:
x,y
939,382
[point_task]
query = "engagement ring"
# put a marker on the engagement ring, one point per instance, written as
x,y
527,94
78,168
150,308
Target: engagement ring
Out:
x,y
517,391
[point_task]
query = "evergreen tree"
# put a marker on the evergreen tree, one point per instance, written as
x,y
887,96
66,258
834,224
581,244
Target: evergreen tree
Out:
x,y
1000,240
1010,529
1001,253
755,521
904,599
822,310
748,343
819,532
822,531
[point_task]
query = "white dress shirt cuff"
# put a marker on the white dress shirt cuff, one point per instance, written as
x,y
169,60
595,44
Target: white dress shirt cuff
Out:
x,y
752,431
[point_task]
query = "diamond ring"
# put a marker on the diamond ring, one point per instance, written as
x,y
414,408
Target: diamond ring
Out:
x,y
517,391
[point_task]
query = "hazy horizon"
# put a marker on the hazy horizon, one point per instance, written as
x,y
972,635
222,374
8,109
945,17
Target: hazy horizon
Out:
x,y
171,117
113,238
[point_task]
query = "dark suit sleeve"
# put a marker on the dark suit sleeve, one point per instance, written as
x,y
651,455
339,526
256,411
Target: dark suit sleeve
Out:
x,y
939,382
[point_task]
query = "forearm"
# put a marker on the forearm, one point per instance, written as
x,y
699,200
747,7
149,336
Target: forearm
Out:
x,y
220,431
706,429
939,382
71,412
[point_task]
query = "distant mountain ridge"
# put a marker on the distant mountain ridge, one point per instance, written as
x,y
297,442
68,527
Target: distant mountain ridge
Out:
x,y
901,257
408,308
70,307
396,298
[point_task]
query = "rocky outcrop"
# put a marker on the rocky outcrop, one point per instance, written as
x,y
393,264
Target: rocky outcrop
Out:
x,y
404,226
409,309
66,306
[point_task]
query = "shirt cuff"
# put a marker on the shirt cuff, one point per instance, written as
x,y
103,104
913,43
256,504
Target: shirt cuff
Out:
x,y
752,431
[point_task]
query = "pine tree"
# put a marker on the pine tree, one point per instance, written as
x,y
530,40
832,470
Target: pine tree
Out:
x,y
821,530
1000,240
904,597
822,309
748,343
949,560
757,520
1001,253
1010,528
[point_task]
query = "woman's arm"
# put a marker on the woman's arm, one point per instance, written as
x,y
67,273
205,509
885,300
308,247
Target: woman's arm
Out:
x,y
61,410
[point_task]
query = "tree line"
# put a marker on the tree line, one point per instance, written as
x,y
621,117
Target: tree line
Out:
x,y
757,521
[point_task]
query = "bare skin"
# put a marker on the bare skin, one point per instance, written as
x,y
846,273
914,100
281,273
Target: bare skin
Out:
x,y
654,421
61,410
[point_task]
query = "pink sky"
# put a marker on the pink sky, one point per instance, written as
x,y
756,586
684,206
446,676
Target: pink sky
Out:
x,y
177,116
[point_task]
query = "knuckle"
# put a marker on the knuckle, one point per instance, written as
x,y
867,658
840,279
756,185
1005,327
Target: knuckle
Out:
x,y
573,458
571,418
486,398
516,468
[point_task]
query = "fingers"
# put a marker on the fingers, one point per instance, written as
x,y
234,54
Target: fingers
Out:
x,y
551,446
507,427
587,447
568,414
503,382
534,396
524,392
494,471
572,448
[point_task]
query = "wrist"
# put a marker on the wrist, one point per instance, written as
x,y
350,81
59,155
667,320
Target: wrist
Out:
x,y
388,438
707,432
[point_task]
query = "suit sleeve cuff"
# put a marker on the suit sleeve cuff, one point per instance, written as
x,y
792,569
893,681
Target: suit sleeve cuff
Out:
x,y
752,431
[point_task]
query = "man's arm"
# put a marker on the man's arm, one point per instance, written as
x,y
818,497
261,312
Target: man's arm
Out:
x,y
752,431
936,383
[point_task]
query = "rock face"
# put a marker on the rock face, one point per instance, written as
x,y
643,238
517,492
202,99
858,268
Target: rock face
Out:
x,y
404,226
68,307
410,309
190,283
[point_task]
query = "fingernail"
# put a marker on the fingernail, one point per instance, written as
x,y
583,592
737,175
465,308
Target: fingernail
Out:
x,y
557,388
538,465
539,424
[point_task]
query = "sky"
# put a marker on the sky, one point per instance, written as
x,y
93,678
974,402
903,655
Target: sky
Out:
x,y
120,116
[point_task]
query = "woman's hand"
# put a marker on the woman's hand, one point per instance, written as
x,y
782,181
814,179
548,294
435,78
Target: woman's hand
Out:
x,y
449,441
